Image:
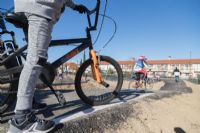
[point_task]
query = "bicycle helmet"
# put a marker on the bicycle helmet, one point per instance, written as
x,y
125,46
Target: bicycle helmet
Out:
x,y
142,57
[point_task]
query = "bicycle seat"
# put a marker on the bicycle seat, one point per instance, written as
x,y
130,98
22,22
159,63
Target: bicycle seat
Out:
x,y
17,19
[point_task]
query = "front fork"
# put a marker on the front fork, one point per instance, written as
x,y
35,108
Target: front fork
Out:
x,y
95,69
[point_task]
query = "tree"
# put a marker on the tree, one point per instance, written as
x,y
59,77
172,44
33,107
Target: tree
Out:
x,y
110,71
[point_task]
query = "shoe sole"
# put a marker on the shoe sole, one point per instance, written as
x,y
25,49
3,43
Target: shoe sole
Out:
x,y
13,129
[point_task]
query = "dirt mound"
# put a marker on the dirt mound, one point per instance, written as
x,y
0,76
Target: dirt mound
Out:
x,y
171,85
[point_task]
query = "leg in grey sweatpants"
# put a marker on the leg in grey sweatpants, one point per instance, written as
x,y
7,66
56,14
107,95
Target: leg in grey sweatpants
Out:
x,y
39,37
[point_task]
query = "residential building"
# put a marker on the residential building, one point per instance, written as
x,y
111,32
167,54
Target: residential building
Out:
x,y
188,67
164,68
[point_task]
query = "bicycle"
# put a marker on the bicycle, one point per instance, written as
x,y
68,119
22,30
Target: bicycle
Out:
x,y
137,82
177,79
101,86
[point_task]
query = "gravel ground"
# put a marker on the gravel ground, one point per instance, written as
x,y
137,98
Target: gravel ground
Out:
x,y
111,119
177,111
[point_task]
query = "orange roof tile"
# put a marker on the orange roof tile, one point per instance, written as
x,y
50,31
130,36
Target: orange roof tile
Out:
x,y
173,61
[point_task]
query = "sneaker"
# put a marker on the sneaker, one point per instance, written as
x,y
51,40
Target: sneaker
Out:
x,y
29,123
38,106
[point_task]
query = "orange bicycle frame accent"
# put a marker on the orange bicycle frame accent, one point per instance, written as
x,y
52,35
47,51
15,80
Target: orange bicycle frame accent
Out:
x,y
95,67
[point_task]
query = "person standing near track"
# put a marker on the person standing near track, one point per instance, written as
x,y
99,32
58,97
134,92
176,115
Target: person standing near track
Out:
x,y
41,15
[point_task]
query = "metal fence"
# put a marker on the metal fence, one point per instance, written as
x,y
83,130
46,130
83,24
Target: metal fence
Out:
x,y
195,80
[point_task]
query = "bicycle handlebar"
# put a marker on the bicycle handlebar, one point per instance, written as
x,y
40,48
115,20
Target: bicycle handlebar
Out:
x,y
90,12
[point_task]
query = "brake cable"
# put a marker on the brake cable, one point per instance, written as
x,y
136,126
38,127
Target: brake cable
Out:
x,y
102,22
101,27
113,35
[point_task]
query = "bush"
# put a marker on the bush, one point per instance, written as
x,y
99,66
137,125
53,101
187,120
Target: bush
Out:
x,y
110,71
195,80
127,75
198,78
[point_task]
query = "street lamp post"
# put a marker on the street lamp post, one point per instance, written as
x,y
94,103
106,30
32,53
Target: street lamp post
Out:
x,y
190,65
169,66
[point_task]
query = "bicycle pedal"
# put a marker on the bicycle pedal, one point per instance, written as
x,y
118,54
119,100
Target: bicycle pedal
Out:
x,y
61,98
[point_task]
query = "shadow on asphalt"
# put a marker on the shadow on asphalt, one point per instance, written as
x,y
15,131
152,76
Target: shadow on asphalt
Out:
x,y
128,94
78,105
73,106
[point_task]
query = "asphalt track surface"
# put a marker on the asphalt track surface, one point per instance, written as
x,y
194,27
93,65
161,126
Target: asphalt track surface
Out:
x,y
76,117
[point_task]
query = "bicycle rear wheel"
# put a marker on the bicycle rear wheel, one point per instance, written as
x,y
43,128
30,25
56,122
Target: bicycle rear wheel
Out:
x,y
8,90
132,84
93,93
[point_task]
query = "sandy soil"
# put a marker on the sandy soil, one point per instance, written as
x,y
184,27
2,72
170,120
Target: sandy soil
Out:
x,y
177,114
158,85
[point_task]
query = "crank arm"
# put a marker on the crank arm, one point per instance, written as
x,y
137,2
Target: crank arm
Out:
x,y
60,97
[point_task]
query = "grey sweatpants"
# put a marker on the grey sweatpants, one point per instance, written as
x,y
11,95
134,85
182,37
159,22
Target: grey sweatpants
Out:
x,y
39,37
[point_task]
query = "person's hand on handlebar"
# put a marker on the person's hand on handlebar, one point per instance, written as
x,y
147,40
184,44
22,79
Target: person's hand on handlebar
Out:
x,y
81,8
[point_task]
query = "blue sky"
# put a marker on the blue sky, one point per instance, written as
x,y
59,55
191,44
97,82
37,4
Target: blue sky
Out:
x,y
154,28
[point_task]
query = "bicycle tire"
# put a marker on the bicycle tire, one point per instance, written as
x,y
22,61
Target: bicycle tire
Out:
x,y
149,83
10,98
86,95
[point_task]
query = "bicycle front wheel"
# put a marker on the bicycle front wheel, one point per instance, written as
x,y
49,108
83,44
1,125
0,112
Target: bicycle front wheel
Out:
x,y
93,93
149,83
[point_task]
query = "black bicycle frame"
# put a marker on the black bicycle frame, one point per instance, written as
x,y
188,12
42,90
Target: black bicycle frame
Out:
x,y
85,43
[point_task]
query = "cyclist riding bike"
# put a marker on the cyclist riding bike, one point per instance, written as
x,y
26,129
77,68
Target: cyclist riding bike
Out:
x,y
41,16
140,68
177,74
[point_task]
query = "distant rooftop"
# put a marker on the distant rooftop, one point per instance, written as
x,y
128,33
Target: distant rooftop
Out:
x,y
154,62
172,61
